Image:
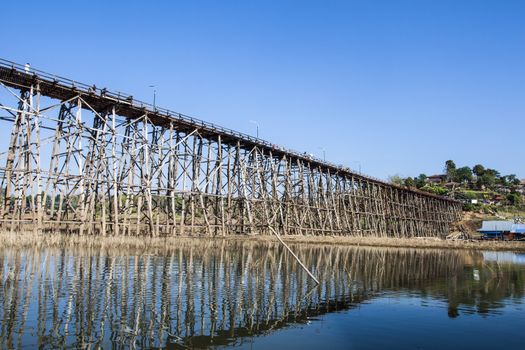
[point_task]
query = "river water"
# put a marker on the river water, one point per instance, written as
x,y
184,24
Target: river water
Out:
x,y
255,296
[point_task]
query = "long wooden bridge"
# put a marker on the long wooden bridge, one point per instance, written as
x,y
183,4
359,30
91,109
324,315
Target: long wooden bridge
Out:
x,y
81,159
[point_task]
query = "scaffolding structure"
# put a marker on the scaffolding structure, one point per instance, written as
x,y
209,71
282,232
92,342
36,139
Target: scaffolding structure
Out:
x,y
79,159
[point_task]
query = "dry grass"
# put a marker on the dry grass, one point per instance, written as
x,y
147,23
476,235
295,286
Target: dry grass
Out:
x,y
145,243
433,243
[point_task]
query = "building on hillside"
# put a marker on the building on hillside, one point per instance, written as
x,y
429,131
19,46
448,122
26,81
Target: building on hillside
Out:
x,y
502,229
498,199
436,179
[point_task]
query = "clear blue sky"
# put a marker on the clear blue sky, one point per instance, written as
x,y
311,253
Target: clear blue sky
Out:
x,y
399,86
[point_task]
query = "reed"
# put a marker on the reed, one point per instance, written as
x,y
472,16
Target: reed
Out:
x,y
147,243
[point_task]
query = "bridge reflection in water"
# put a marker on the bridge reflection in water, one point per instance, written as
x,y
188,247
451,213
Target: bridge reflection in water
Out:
x,y
218,293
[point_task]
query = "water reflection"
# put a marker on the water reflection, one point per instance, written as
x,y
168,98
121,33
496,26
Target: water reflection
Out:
x,y
505,257
216,293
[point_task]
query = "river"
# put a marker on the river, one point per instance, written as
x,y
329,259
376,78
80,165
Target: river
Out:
x,y
253,295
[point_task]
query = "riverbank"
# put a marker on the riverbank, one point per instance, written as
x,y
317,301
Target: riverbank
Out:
x,y
143,243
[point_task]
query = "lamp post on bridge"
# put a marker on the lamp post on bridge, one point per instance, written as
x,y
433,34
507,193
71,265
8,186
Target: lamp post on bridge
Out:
x,y
154,96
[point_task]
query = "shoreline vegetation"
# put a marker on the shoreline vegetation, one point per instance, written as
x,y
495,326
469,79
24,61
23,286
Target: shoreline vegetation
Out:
x,y
469,223
27,240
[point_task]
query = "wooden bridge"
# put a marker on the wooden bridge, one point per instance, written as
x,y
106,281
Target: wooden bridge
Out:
x,y
81,159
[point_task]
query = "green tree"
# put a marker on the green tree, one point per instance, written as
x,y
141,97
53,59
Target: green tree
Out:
x,y
492,172
421,180
409,182
396,180
487,180
503,181
514,198
478,170
463,174
512,179
450,169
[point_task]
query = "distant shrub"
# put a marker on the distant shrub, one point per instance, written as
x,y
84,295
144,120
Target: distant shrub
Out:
x,y
514,198
477,207
469,207
435,189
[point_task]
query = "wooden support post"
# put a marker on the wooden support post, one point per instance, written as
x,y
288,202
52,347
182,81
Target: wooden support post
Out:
x,y
293,254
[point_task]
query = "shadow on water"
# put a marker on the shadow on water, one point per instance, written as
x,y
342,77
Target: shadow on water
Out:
x,y
213,293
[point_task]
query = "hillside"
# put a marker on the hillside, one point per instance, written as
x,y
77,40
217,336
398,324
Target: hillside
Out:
x,y
485,193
